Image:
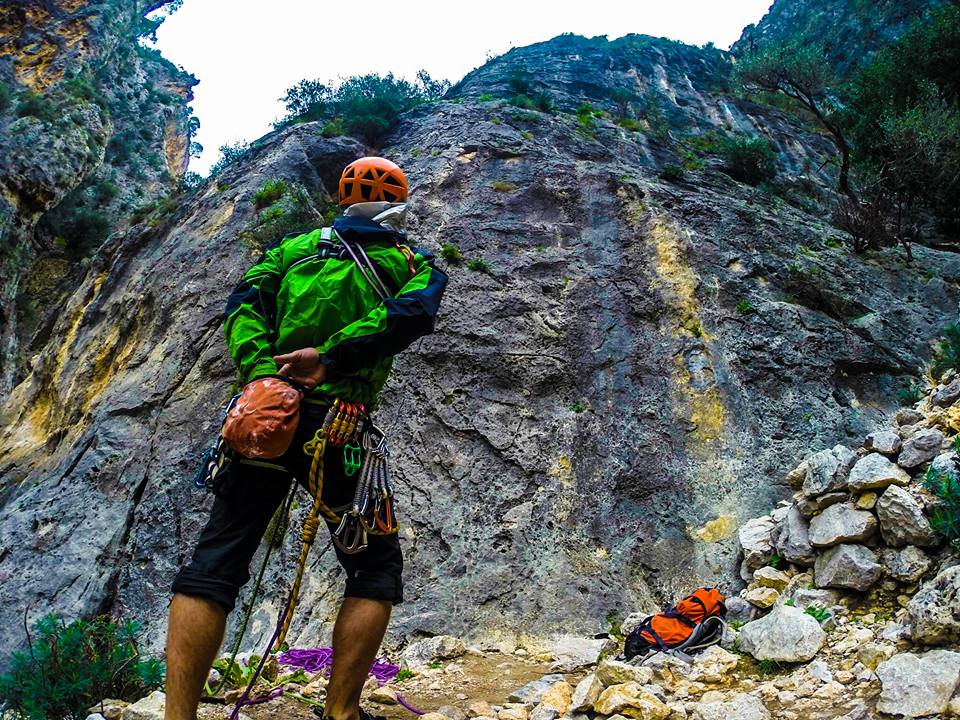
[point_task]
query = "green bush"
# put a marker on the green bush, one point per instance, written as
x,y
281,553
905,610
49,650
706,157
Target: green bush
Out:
x,y
107,191
745,307
631,124
68,668
946,353
524,102
229,154
294,211
478,265
485,97
503,186
5,95
451,253
749,160
672,173
945,516
33,104
191,180
270,192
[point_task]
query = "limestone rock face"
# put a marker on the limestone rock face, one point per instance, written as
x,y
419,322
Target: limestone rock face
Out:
x,y
918,685
609,289
853,567
787,634
907,564
876,471
886,442
842,523
756,540
902,521
418,655
935,610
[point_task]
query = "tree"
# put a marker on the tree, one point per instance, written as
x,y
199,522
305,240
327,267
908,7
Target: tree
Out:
x,y
799,71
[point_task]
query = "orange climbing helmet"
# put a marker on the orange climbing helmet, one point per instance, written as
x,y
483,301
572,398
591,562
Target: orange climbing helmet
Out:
x,y
372,179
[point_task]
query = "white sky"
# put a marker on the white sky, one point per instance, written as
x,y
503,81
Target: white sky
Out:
x,y
246,53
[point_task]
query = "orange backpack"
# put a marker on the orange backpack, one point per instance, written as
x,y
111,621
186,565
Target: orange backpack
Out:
x,y
683,626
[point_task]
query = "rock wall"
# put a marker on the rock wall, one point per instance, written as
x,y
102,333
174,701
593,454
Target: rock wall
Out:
x,y
625,383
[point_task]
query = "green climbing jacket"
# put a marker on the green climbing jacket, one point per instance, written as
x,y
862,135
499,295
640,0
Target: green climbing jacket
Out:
x,y
307,291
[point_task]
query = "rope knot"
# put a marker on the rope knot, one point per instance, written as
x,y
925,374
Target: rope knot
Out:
x,y
310,526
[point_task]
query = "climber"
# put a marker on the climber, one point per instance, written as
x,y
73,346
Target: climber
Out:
x,y
328,310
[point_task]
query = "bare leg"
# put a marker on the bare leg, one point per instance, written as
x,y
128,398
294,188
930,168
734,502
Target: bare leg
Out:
x,y
360,627
194,634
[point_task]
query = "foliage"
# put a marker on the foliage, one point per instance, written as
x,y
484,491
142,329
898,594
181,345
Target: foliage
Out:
x,y
622,98
911,394
485,97
651,112
292,211
775,561
191,180
451,253
578,407
615,623
630,124
863,221
504,186
229,154
946,353
270,192
945,516
749,160
34,104
744,307
904,112
69,667
404,674
5,95
818,614
478,265
365,106
796,69
672,173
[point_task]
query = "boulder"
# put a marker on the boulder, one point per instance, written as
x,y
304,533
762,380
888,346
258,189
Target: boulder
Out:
x,y
533,691
867,501
853,567
886,442
614,672
739,610
386,695
557,698
573,652
739,706
756,540
902,521
480,708
796,476
818,598
420,654
770,577
906,565
109,708
149,708
908,416
810,506
792,539
945,464
933,611
921,447
875,471
827,470
787,634
946,395
713,665
842,523
761,597
918,685
585,694
633,700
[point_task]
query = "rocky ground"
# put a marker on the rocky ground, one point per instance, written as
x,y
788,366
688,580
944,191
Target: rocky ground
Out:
x,y
851,611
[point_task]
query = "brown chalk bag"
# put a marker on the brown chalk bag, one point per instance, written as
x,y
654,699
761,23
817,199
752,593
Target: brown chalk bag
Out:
x,y
262,421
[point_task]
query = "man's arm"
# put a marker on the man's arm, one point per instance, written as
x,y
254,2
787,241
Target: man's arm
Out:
x,y
248,329
391,326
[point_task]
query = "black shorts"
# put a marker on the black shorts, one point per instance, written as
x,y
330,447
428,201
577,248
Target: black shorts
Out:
x,y
220,565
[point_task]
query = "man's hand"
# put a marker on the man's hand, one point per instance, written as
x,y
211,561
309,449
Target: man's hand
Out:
x,y
302,366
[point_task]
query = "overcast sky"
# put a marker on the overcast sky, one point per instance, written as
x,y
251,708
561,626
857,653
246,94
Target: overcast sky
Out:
x,y
246,53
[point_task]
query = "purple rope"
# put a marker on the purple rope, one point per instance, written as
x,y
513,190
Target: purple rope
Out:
x,y
316,660
403,701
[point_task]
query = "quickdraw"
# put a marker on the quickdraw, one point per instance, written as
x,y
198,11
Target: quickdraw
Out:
x,y
215,462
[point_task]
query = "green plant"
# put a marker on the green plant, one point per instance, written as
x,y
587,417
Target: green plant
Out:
x,y
451,253
749,160
614,623
745,307
586,115
526,135
485,97
672,173
911,394
270,192
5,95
818,614
737,624
946,353
578,407
790,603
69,667
333,128
405,674
945,515
34,104
768,667
775,560
478,265
435,665
229,154
955,444
631,124
294,211
503,186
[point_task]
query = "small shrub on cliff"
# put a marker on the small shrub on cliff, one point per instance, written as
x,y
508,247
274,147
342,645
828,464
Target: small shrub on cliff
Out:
x,y
451,253
477,265
229,154
946,353
749,160
270,192
34,104
69,667
945,516
5,95
672,173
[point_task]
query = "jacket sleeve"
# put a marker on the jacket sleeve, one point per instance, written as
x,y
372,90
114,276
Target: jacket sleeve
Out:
x,y
392,325
250,309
